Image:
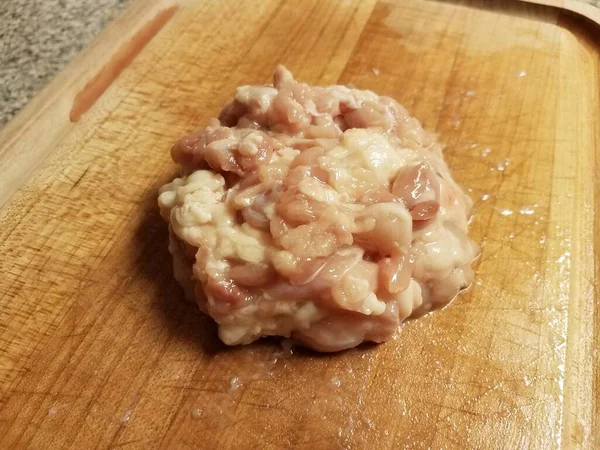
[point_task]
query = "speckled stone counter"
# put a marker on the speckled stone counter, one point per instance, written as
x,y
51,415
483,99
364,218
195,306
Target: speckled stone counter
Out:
x,y
38,38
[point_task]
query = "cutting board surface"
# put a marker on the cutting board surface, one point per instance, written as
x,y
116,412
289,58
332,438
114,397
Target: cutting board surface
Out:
x,y
98,348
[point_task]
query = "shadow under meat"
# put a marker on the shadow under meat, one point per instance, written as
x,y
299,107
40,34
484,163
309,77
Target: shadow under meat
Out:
x,y
184,318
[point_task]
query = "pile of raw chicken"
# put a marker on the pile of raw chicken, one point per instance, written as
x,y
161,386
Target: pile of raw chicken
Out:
x,y
324,214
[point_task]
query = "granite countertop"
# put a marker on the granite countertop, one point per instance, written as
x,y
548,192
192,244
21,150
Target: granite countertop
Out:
x,y
38,38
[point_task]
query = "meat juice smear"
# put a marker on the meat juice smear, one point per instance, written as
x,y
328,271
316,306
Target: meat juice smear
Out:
x,y
323,214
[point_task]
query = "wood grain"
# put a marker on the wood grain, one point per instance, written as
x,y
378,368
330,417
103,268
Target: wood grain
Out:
x,y
98,348
39,128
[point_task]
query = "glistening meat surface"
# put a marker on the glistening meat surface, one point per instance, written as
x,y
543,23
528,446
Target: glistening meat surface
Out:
x,y
325,214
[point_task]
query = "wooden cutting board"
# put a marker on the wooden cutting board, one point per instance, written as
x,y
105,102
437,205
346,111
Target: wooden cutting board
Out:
x,y
98,348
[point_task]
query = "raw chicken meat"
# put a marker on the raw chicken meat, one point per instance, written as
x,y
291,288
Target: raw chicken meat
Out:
x,y
324,214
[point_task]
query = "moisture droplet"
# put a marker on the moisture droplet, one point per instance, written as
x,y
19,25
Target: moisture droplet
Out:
x,y
502,165
196,413
471,93
564,257
506,212
235,384
485,197
375,71
336,382
126,416
522,73
404,411
486,151
527,210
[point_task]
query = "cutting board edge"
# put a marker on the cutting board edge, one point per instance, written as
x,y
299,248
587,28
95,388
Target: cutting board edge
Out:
x,y
587,10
